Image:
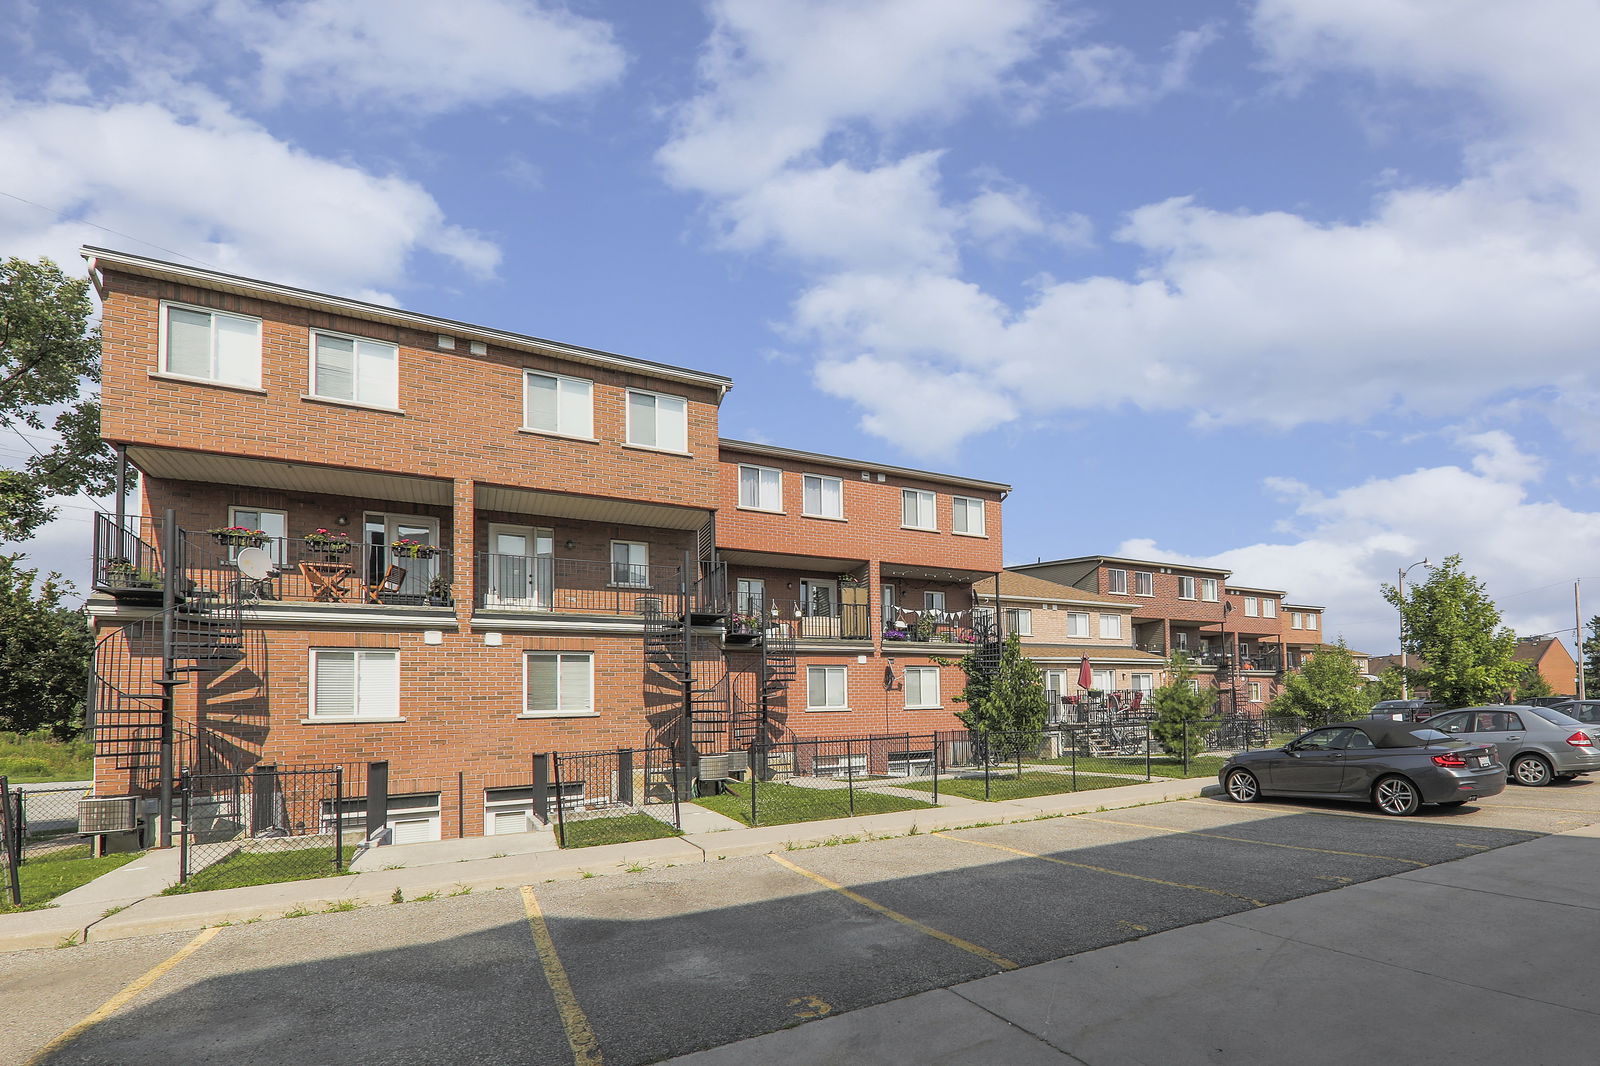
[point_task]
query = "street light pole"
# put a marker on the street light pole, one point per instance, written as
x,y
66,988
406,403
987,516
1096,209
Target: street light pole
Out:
x,y
1405,661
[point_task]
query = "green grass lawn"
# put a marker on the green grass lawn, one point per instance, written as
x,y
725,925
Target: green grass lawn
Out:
x,y
265,868
615,829
1005,785
48,876
779,804
29,758
1199,766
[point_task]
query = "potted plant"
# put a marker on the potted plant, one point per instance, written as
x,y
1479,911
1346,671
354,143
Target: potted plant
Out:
x,y
896,633
239,536
331,543
744,628
439,591
408,548
923,628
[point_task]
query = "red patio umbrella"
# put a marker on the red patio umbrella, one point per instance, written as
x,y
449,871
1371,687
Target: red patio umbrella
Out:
x,y
1085,675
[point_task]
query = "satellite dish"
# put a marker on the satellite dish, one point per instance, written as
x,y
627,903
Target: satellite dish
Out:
x,y
254,563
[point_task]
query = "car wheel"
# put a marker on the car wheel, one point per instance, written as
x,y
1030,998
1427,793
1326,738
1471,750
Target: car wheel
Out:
x,y
1531,770
1397,796
1242,787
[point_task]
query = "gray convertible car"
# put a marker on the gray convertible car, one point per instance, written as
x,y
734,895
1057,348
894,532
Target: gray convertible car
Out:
x,y
1398,766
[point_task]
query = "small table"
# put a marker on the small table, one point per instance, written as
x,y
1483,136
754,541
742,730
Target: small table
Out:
x,y
327,580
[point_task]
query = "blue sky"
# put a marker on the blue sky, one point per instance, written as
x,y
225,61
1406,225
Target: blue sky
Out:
x,y
1307,288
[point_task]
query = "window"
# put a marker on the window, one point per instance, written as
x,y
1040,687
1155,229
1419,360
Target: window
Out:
x,y
1208,589
1252,607
274,524
211,345
968,516
1145,683
1296,620
656,420
556,683
890,603
922,687
1111,627
825,688
552,403
508,810
916,509
1311,621
412,817
750,595
761,488
1269,608
354,369
1104,680
1186,588
1019,621
910,763
839,765
355,683
1117,581
933,601
1077,623
630,563
822,497
1144,584
1253,691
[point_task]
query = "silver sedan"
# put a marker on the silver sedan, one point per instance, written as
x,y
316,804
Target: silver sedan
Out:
x,y
1537,745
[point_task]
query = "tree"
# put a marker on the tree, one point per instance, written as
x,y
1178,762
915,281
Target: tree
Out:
x,y
48,356
1005,699
44,653
1180,711
1389,685
1328,688
1531,683
1454,629
1590,654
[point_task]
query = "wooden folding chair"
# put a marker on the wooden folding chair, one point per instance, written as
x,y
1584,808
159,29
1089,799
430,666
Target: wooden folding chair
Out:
x,y
390,585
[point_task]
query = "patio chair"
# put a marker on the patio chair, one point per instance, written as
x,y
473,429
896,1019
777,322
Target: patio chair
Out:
x,y
389,586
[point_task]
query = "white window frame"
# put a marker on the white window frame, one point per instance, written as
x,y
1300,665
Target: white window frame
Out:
x,y
164,349
1188,583
582,428
848,765
1252,607
1116,577
1252,691
923,702
1142,682
822,481
932,600
909,763
921,496
1269,607
1019,620
1104,680
657,445
1194,684
612,554
1141,580
827,671
750,595
1311,620
561,711
1296,620
1110,626
1209,591
765,500
388,397
1078,624
275,542
962,509
521,804
356,708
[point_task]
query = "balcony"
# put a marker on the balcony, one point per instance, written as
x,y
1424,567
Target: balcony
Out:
x,y
576,586
823,620
936,626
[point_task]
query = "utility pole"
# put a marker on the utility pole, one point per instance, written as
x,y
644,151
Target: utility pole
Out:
x,y
1405,660
1577,618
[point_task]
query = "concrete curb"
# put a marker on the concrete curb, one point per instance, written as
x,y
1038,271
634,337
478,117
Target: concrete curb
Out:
x,y
165,914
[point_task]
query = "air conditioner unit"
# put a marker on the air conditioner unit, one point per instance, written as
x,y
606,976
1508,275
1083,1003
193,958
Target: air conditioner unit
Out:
x,y
107,814
722,767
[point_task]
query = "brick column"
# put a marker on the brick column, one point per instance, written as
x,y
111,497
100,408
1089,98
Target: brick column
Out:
x,y
464,526
875,605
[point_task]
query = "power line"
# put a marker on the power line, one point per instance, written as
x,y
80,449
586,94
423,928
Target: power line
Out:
x,y
107,229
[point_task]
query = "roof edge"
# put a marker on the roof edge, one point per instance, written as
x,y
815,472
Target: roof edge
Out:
x,y
1119,559
863,464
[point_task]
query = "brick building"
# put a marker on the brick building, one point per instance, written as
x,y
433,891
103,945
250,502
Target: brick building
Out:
x,y
481,545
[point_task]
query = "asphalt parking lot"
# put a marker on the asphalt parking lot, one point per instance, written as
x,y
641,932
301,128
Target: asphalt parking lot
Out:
x,y
635,967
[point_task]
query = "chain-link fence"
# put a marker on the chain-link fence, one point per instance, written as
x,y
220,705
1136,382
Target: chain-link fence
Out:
x,y
807,780
267,825
610,797
40,844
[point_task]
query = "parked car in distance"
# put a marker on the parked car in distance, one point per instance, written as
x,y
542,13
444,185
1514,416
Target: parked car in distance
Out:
x,y
1405,710
1537,744
1398,766
1585,711
1545,701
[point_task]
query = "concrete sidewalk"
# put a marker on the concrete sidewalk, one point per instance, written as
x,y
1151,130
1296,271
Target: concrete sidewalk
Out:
x,y
1483,960
443,867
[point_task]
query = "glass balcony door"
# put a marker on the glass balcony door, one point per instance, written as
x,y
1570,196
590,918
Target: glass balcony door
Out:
x,y
521,566
383,530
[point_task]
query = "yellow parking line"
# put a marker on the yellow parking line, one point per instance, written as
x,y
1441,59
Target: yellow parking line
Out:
x,y
1247,840
585,1045
121,999
1106,870
938,934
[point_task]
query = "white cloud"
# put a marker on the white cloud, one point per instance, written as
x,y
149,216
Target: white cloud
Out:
x,y
420,55
1111,76
223,190
1349,541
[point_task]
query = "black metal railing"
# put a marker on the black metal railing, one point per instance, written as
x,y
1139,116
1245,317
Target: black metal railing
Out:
x,y
272,824
802,620
577,586
937,626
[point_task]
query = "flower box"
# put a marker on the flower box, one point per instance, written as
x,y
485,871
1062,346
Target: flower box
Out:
x,y
239,536
329,542
407,548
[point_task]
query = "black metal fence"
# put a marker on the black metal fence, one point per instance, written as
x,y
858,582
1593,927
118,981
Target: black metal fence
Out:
x,y
267,825
608,797
36,825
